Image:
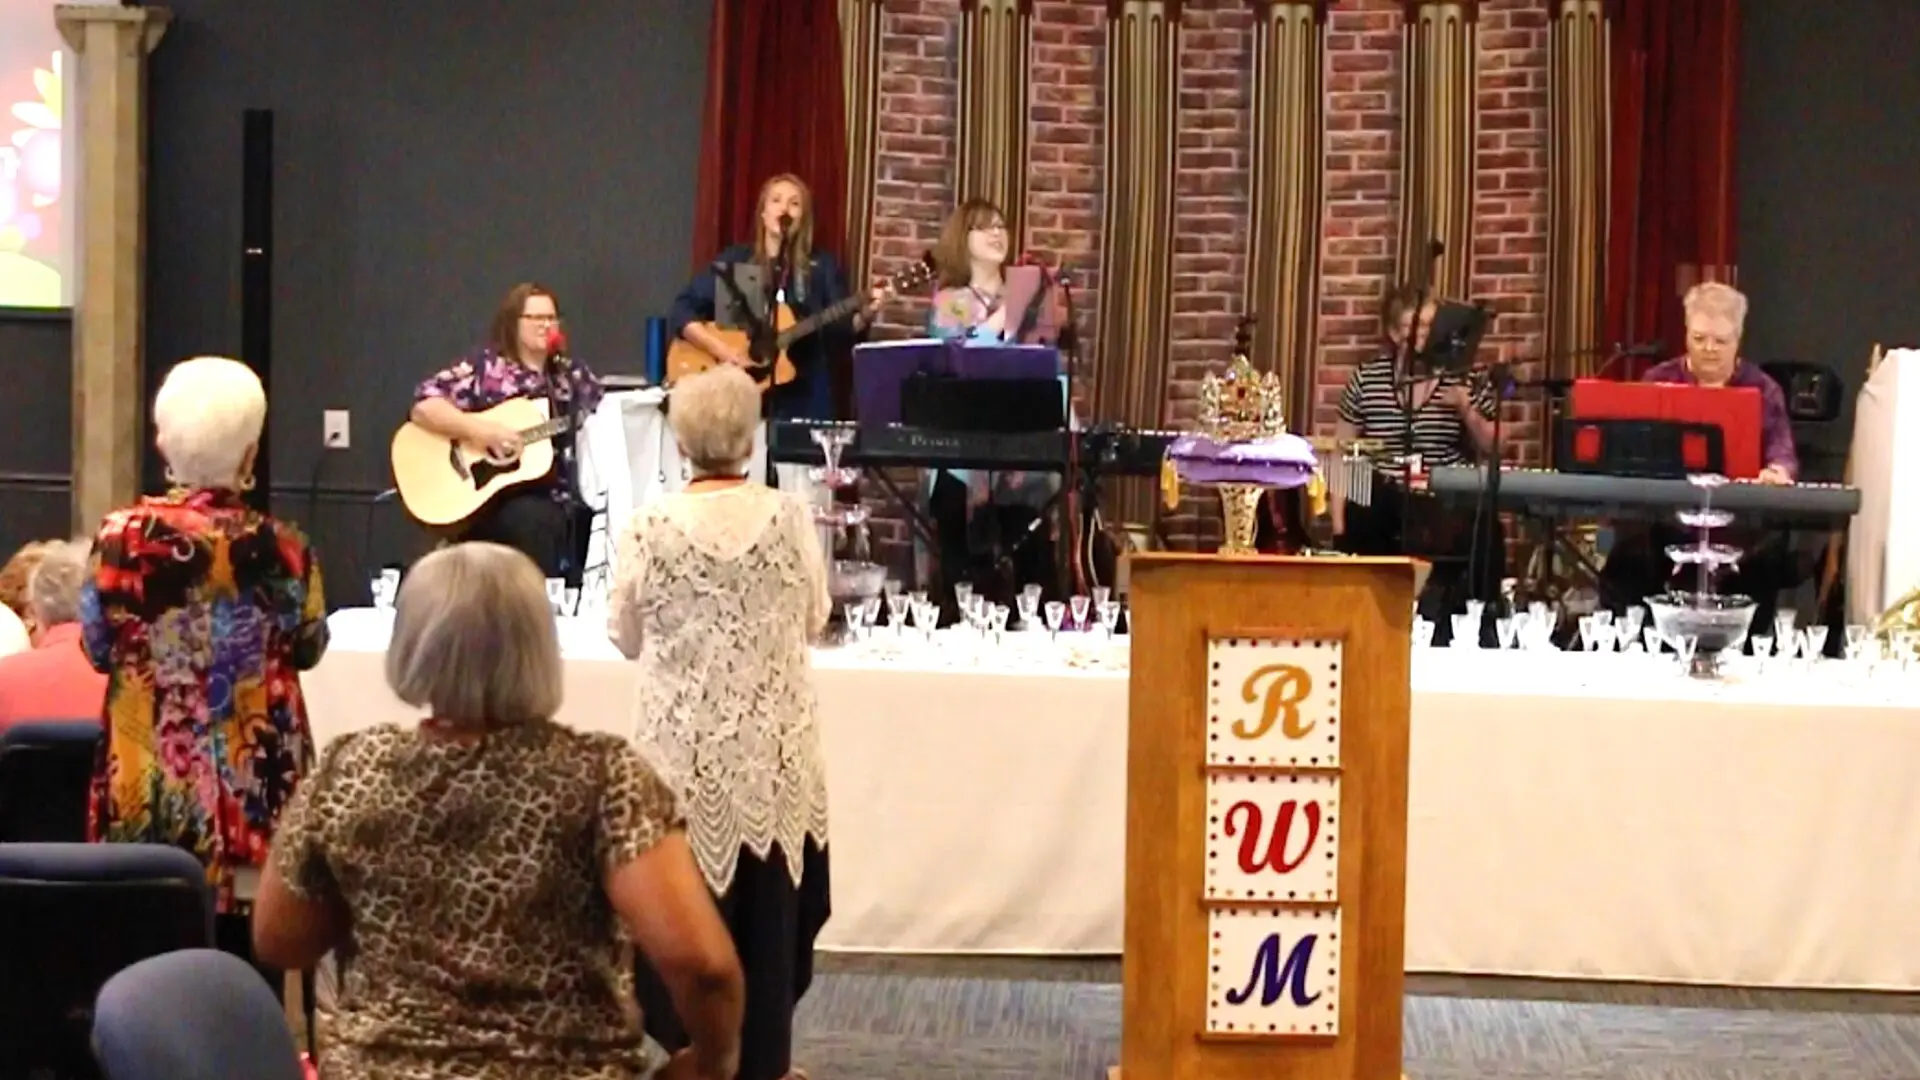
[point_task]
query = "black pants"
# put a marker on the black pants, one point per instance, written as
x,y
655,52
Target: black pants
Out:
x,y
1468,561
774,926
996,548
530,520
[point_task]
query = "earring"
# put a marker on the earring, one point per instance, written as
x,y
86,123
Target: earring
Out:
x,y
246,482
172,477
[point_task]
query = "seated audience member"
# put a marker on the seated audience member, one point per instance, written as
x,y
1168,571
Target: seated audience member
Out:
x,y
1637,564
54,680
14,636
481,872
13,579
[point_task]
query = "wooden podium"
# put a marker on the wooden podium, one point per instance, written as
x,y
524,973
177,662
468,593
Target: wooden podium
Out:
x,y
1266,818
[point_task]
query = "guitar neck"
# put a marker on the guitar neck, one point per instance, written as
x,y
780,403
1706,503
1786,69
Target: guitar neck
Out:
x,y
821,318
547,430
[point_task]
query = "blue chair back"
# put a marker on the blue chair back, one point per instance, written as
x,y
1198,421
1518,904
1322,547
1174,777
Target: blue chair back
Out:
x,y
72,916
46,775
197,1014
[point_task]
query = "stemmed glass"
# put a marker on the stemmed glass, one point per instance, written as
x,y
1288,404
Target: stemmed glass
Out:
x,y
1813,643
856,615
870,612
1079,606
1101,594
1685,645
1634,617
1056,615
1029,604
962,594
1506,630
926,617
1109,614
997,621
897,612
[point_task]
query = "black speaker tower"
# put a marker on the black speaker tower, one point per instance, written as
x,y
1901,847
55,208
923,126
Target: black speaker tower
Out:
x,y
256,277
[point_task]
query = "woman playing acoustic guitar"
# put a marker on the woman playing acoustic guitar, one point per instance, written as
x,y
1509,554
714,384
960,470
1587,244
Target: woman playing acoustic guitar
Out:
x,y
812,282
543,519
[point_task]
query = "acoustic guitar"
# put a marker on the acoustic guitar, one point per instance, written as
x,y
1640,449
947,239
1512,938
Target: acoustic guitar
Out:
x,y
685,358
443,482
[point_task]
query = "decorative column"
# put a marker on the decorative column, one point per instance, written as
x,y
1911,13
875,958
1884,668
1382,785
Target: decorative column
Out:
x,y
1437,138
109,392
860,73
1289,53
1577,140
996,38
1136,261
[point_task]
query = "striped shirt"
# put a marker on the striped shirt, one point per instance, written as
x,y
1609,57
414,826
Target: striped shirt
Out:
x,y
1376,408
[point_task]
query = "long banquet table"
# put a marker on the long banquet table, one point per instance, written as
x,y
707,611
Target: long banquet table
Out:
x,y
1568,817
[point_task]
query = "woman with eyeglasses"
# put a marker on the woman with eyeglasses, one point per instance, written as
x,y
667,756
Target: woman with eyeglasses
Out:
x,y
985,519
546,521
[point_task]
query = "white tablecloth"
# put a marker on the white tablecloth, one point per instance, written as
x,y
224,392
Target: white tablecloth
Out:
x,y
1765,833
1883,545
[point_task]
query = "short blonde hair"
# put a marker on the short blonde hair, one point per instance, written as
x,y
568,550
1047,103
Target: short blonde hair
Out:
x,y
207,417
1716,299
53,588
17,571
474,637
714,415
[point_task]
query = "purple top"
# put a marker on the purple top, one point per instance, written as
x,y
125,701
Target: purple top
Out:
x,y
1285,461
1776,429
486,379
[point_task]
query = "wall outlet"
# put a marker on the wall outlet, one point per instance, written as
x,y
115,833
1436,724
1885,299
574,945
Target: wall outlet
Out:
x,y
335,431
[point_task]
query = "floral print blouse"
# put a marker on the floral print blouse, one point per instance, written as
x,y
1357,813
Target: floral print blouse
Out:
x,y
201,611
472,874
486,379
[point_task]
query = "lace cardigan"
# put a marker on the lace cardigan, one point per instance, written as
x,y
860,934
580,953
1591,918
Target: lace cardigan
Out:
x,y
718,594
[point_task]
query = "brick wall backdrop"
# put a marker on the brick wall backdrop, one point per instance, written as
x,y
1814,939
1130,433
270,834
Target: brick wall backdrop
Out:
x,y
915,177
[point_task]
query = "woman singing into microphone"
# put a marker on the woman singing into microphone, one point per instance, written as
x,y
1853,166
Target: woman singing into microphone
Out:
x,y
546,521
813,281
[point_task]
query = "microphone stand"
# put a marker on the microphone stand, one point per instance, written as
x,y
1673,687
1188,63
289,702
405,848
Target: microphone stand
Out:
x,y
576,500
1083,484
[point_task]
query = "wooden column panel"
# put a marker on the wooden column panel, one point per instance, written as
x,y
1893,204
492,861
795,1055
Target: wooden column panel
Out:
x,y
1136,260
1577,139
1438,125
860,72
109,390
1284,195
996,38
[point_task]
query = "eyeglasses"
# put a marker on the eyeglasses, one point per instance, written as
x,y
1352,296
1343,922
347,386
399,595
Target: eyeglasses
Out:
x,y
991,227
541,318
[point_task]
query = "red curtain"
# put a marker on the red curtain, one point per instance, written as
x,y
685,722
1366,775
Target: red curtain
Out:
x,y
773,105
1671,220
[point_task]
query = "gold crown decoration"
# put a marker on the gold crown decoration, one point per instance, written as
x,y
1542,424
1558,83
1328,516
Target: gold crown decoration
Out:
x,y
1241,405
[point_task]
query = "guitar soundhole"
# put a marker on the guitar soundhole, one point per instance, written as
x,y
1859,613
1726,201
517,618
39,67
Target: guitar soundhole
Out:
x,y
459,464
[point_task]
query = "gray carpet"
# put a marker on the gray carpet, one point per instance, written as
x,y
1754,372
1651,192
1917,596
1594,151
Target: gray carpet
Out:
x,y
913,1018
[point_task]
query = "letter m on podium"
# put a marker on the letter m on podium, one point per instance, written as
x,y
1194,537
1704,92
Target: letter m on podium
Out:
x,y
1274,976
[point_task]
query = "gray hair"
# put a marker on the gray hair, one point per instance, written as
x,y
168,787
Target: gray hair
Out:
x,y
207,417
53,589
1718,300
474,637
714,415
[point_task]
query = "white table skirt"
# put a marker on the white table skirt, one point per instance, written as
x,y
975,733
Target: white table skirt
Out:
x,y
1761,835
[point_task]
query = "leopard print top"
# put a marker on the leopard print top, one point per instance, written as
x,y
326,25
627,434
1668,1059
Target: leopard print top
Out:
x,y
482,944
